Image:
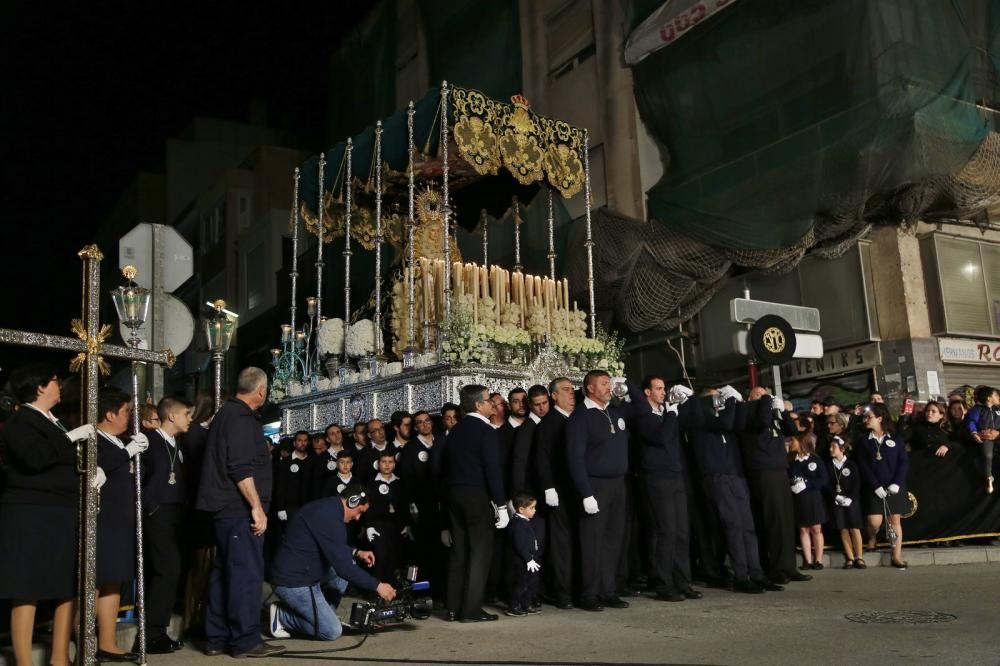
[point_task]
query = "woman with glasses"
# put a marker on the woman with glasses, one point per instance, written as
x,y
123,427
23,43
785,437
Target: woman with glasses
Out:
x,y
883,463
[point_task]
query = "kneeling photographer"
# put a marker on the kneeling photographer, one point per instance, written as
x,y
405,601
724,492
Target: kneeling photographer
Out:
x,y
315,563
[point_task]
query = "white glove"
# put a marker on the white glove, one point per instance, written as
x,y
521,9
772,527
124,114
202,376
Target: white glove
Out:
x,y
446,539
99,479
843,500
138,444
414,511
798,487
679,393
83,432
282,515
408,533
590,505
533,566
551,497
778,403
670,407
880,492
893,489
371,533
502,517
728,392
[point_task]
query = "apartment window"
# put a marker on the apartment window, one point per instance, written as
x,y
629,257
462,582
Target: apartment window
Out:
x,y
569,36
253,271
963,285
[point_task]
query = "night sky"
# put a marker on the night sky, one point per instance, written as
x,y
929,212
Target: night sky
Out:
x,y
92,91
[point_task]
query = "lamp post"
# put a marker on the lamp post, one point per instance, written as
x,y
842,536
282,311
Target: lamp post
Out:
x,y
132,305
219,334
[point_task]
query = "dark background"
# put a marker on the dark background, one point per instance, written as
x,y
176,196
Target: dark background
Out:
x,y
92,90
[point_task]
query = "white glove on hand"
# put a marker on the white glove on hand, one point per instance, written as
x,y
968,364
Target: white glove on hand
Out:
x,y
894,489
533,566
778,403
679,393
138,444
848,501
282,515
728,392
371,533
551,497
502,517
83,432
446,539
414,511
798,487
99,479
408,533
670,407
880,492
590,505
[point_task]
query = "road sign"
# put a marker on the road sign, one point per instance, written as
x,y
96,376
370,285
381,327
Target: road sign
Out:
x,y
748,311
807,345
136,248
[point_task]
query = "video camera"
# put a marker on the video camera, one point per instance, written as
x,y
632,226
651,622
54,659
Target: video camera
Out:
x,y
369,615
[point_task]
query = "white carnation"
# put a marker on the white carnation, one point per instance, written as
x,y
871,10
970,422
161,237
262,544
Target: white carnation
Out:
x,y
331,337
361,339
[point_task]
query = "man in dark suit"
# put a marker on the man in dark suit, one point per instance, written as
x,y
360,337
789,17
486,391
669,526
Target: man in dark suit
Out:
x,y
164,492
555,482
467,467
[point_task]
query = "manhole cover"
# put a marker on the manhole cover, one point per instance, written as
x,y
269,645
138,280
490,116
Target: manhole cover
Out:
x,y
900,617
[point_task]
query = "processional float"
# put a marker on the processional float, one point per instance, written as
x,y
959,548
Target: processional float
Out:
x,y
450,322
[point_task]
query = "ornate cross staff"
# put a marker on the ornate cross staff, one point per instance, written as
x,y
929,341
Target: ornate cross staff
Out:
x,y
90,346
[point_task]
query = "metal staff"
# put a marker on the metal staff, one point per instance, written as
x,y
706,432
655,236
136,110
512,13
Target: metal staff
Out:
x,y
319,247
132,304
295,244
446,207
410,304
348,185
486,239
378,239
516,218
590,239
552,242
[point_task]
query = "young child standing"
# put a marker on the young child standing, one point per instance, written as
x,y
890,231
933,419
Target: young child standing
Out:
x,y
808,477
523,551
847,502
385,521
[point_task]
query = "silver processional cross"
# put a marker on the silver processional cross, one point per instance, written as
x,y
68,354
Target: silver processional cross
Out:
x,y
90,347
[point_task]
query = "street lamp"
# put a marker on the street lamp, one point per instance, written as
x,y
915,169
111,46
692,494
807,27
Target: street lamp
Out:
x,y
219,334
132,305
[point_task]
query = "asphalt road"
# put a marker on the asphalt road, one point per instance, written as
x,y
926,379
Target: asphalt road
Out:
x,y
803,625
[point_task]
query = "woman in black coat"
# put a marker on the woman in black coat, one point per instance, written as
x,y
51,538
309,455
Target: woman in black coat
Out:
x,y
38,513
931,432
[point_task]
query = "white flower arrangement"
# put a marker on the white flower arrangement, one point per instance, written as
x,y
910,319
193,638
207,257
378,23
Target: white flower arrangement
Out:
x,y
331,337
361,339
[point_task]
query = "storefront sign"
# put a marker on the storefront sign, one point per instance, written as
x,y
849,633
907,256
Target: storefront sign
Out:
x,y
668,24
837,362
966,350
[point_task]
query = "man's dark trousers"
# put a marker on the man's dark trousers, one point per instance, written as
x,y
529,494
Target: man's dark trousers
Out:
x,y
163,560
773,511
667,501
601,536
232,604
472,527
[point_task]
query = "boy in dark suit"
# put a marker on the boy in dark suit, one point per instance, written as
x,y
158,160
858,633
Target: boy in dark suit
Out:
x,y
523,551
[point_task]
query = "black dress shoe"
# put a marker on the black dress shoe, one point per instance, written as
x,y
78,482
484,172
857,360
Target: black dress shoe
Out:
x,y
779,578
615,602
213,652
748,586
103,656
161,644
591,606
564,605
481,616
261,650
691,593
769,585
799,577
669,596
450,616
719,583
